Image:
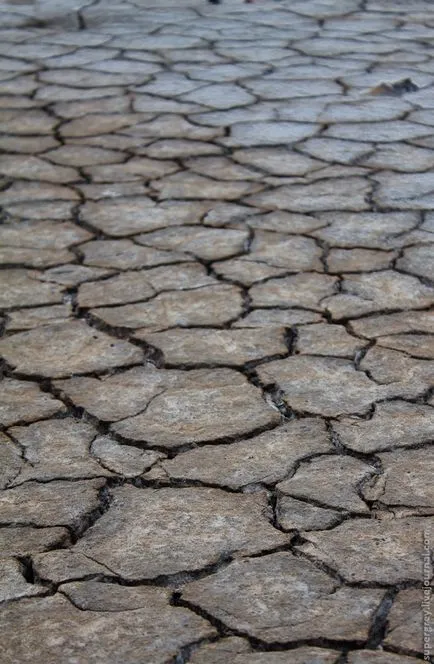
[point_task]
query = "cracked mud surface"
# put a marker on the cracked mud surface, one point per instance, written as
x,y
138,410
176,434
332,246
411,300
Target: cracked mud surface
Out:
x,y
217,341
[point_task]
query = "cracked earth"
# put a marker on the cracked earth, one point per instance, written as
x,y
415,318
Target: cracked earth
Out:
x,y
216,408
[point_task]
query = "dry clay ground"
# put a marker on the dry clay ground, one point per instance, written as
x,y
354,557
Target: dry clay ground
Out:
x,y
216,416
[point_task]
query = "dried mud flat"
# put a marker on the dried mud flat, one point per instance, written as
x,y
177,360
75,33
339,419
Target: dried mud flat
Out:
x,y
216,409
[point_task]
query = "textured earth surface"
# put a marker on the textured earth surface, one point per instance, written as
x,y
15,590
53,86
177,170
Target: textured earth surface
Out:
x,y
217,341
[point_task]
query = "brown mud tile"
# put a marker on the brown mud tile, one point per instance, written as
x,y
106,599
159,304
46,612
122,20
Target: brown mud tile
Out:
x,y
55,626
66,349
330,480
21,288
56,449
181,414
58,503
214,347
23,401
393,424
286,612
209,305
168,531
265,459
374,551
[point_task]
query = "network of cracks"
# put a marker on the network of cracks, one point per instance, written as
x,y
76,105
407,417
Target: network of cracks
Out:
x,y
216,407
